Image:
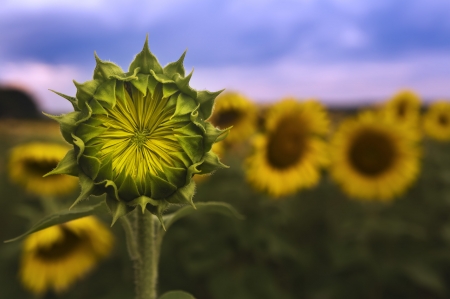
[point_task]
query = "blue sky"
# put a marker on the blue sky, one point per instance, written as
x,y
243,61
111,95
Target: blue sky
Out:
x,y
344,52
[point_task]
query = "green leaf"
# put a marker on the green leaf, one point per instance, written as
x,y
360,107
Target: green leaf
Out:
x,y
117,208
85,91
176,295
62,217
68,165
210,207
106,93
192,146
67,123
141,83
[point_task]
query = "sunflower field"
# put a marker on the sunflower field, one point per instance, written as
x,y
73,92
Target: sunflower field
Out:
x,y
292,199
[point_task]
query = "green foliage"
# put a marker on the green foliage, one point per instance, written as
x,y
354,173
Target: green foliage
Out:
x,y
176,295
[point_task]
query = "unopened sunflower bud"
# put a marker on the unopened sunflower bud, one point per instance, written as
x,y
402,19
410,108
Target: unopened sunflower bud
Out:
x,y
139,136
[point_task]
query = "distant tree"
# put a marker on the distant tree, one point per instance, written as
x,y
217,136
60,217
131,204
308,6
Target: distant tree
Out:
x,y
16,103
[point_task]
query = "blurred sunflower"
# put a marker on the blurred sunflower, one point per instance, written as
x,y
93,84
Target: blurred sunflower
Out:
x,y
289,156
404,107
233,109
373,157
436,123
29,162
54,258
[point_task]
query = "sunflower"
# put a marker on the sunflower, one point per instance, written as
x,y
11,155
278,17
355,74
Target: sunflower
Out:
x,y
56,257
29,162
233,109
404,107
288,157
373,157
436,123
139,136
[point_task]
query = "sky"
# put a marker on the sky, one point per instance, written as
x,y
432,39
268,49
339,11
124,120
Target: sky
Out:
x,y
343,52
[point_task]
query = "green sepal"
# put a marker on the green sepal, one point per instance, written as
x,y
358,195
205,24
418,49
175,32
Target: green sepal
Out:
x,y
87,186
105,172
106,93
120,178
87,132
146,61
189,130
213,135
128,189
85,91
176,295
206,100
105,69
169,89
192,145
67,123
126,77
175,175
211,162
183,157
72,100
117,208
141,83
142,201
158,210
90,166
92,150
160,188
85,114
161,78
185,105
183,84
112,191
193,169
78,146
62,217
175,67
68,165
120,90
97,108
183,195
151,84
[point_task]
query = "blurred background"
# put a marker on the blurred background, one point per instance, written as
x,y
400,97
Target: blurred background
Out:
x,y
317,243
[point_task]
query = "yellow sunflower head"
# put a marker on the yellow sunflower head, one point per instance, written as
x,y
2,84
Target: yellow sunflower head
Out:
x,y
436,122
29,162
233,109
404,107
288,157
373,157
139,136
56,257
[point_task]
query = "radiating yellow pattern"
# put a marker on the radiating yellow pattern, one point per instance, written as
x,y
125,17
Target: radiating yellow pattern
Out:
x,y
141,136
289,156
374,157
29,162
436,122
56,257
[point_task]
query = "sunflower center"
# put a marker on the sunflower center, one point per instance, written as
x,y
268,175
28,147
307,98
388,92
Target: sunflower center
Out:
x,y
69,243
39,168
226,118
401,110
140,138
287,143
443,120
372,153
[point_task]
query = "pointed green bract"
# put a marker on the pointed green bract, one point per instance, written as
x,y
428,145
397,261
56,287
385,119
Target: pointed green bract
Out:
x,y
139,136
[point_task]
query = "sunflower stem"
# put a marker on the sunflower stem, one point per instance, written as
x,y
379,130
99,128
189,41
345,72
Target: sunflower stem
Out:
x,y
147,265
